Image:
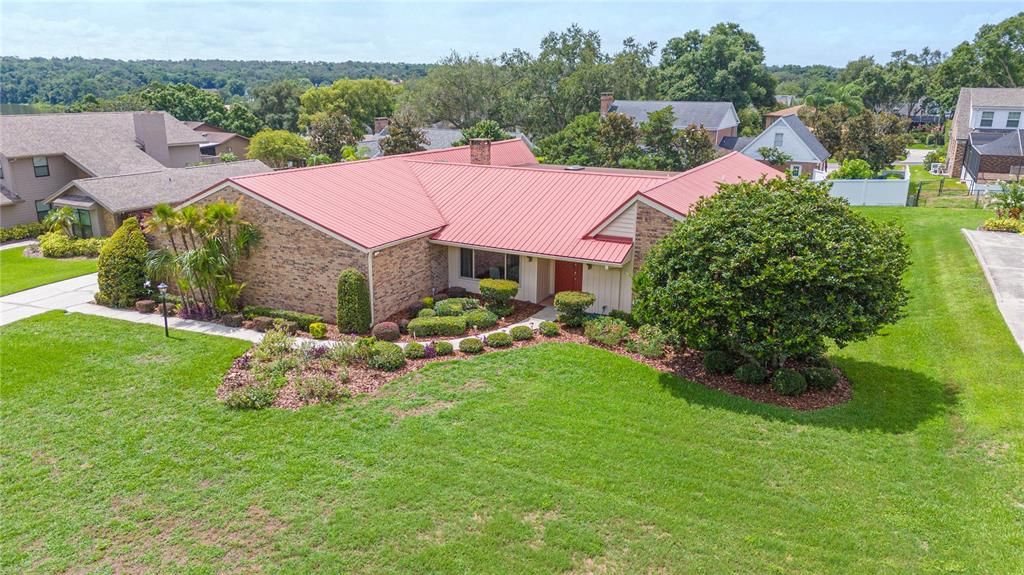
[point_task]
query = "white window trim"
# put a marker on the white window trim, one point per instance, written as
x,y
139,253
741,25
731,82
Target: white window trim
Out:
x,y
991,119
1015,119
796,170
778,141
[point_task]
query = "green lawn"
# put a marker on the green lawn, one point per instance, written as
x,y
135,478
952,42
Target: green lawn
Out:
x,y
954,192
116,458
18,272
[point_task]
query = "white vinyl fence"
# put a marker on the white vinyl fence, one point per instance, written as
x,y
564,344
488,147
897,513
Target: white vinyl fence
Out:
x,y
872,192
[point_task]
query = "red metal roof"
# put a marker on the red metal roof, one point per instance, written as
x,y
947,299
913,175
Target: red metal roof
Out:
x,y
514,208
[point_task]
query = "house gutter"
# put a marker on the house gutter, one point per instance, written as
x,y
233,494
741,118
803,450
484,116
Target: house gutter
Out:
x,y
369,281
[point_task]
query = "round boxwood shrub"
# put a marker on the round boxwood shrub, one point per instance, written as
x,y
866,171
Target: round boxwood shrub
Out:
x,y
572,306
386,356
415,350
386,331
718,362
521,333
353,302
426,312
443,347
751,374
448,307
820,377
471,345
318,330
499,339
789,382
480,318
498,295
834,276
549,329
427,301
122,265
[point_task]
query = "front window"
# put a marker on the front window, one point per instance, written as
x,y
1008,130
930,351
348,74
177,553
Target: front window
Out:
x,y
41,166
986,119
795,170
83,227
1012,120
42,208
481,264
778,140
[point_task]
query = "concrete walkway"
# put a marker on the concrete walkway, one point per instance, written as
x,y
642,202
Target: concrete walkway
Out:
x,y
18,244
1001,256
915,156
76,295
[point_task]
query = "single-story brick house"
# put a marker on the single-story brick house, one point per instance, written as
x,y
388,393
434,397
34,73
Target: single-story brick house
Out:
x,y
418,223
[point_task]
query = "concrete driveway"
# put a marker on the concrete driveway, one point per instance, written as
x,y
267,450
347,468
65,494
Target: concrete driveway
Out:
x,y
1001,256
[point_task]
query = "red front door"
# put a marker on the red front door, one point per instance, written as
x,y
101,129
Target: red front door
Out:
x,y
568,276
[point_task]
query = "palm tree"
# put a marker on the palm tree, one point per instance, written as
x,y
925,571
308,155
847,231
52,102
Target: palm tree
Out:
x,y
63,219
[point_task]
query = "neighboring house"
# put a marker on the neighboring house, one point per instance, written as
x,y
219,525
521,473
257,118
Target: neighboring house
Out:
x,y
437,138
42,153
985,139
785,99
718,118
419,223
921,114
791,136
102,203
770,117
219,141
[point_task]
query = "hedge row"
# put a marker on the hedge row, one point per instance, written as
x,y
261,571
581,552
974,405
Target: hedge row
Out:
x,y
303,320
21,231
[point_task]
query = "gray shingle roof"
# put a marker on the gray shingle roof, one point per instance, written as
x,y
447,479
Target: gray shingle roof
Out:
x,y
102,143
982,97
998,142
144,190
7,197
806,136
736,143
711,115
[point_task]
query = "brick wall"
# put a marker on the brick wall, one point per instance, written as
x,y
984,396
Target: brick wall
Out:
x,y
402,274
955,158
992,168
438,267
295,267
651,226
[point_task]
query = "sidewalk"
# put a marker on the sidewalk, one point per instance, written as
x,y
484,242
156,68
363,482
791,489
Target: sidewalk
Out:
x,y
1001,256
76,294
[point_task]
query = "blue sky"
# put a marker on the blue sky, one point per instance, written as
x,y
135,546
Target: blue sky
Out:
x,y
791,33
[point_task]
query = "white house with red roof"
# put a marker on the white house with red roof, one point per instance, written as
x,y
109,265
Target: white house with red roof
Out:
x,y
419,223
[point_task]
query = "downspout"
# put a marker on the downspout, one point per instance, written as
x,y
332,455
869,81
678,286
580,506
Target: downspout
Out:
x,y
369,281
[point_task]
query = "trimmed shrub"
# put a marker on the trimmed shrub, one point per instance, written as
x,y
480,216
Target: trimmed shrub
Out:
x,y
443,347
521,333
22,231
386,331
719,362
471,345
122,265
57,244
448,308
386,356
427,301
606,330
318,330
572,306
426,312
789,382
480,318
549,329
415,350
624,316
353,302
251,397
650,342
820,377
431,326
1004,225
303,320
499,339
498,295
467,303
751,374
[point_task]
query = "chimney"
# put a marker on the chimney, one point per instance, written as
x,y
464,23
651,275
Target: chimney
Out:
x,y
480,151
379,124
606,102
151,132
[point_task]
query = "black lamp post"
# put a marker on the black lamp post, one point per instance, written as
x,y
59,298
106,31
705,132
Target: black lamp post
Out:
x,y
163,295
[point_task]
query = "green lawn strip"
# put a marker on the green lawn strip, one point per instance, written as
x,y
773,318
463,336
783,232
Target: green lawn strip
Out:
x,y
544,459
18,272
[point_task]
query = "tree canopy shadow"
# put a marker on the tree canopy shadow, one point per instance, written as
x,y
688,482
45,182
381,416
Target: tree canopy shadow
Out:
x,y
886,398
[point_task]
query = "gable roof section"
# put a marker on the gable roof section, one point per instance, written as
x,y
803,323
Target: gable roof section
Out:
x,y
983,98
680,193
711,115
814,147
998,143
101,143
131,192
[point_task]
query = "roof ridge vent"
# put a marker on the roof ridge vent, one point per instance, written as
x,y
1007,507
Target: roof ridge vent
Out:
x,y
574,168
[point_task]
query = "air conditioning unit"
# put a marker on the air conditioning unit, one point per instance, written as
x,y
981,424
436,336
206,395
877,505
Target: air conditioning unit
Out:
x,y
937,169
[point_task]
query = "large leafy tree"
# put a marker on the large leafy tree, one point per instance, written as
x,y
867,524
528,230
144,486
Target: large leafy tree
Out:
x,y
461,91
330,133
277,147
240,120
726,64
360,100
995,59
668,148
185,102
879,139
772,270
483,129
577,144
277,103
403,138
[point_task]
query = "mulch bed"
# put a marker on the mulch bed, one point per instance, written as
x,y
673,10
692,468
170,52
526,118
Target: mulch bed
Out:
x,y
686,364
522,311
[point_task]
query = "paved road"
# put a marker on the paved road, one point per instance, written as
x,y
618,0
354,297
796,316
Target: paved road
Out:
x,y
915,156
1001,256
